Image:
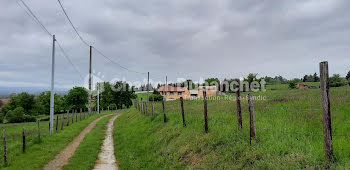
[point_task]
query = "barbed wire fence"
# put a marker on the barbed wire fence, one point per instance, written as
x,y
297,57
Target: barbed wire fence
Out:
x,y
303,111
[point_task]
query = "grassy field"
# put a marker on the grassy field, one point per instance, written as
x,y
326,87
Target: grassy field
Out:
x,y
288,124
87,153
38,153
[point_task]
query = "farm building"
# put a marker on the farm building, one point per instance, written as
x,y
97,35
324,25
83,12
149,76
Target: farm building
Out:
x,y
302,86
172,93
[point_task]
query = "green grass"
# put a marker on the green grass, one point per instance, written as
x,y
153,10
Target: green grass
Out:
x,y
39,153
281,122
87,153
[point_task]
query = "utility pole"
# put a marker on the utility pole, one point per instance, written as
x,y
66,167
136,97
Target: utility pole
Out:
x,y
165,87
147,86
90,80
98,98
52,102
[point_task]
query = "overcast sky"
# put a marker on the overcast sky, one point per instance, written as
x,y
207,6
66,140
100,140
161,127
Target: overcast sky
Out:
x,y
178,38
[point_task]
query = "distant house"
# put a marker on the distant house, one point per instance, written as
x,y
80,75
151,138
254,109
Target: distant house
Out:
x,y
172,93
302,86
4,101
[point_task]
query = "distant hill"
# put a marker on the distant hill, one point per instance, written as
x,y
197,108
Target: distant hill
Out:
x,y
6,91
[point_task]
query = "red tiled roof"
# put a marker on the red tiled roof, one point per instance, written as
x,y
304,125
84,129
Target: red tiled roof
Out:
x,y
171,88
4,101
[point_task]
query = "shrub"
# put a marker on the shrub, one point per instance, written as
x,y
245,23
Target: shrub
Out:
x,y
155,97
17,116
293,83
336,81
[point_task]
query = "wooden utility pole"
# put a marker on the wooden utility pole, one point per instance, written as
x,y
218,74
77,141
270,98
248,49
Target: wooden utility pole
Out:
x,y
238,102
205,110
183,112
251,118
52,93
90,80
326,110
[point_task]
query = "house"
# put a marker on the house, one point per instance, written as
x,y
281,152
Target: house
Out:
x,y
302,86
172,93
4,101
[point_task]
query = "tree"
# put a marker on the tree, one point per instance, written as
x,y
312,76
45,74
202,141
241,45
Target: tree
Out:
x,y
1,103
316,78
18,115
77,98
24,100
44,99
348,76
293,83
337,81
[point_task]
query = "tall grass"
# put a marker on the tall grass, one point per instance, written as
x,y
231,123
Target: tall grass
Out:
x,y
288,124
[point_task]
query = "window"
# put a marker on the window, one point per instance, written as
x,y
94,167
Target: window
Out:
x,y
171,93
179,93
164,93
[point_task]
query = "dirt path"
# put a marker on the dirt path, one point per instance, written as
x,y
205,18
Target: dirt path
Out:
x,y
106,158
63,157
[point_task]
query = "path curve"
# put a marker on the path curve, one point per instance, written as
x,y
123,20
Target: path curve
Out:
x,y
106,158
63,157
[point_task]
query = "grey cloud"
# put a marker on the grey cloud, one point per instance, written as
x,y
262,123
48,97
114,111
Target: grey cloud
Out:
x,y
178,38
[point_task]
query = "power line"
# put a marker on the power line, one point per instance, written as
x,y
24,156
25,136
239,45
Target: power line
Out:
x,y
98,51
36,19
76,31
69,60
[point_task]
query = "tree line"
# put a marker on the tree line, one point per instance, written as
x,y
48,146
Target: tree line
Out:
x,y
25,107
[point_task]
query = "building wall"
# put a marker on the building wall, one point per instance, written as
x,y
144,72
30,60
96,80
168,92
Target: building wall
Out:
x,y
185,94
209,93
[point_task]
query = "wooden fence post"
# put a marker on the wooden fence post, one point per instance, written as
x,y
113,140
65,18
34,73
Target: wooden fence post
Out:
x,y
146,110
39,130
62,121
141,105
164,113
205,111
23,140
251,118
183,112
5,147
80,114
238,102
73,116
153,108
67,117
326,110
56,123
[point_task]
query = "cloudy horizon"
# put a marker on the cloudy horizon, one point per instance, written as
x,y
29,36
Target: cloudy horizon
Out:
x,y
178,38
